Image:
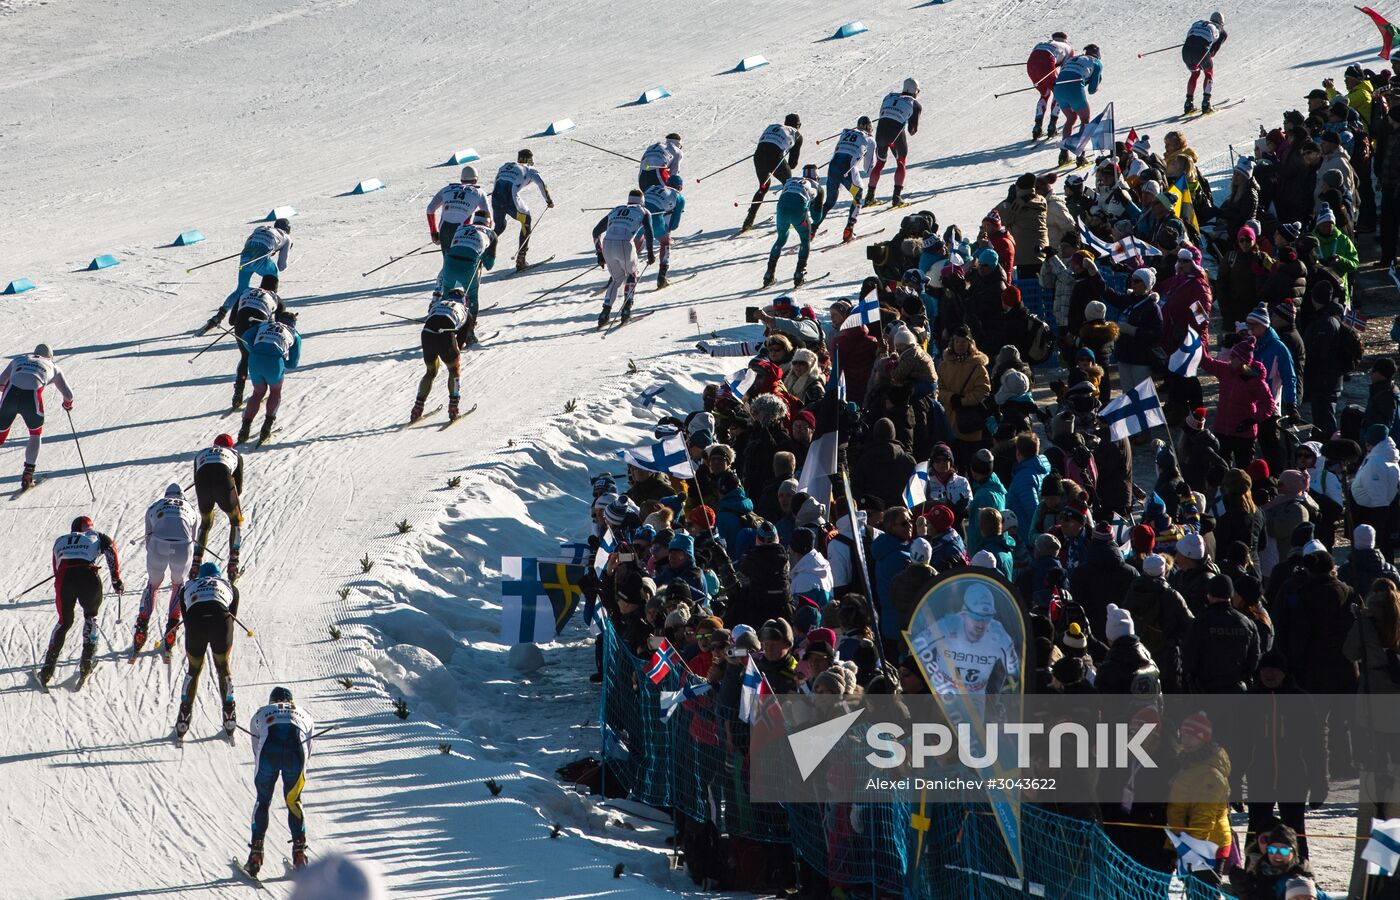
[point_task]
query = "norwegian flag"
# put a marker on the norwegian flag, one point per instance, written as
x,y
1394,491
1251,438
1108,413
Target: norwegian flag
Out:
x,y
1354,320
1130,140
663,662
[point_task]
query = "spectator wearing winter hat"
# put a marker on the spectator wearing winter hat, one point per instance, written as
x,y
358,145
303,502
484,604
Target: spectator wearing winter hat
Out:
x,y
1198,451
1199,798
1325,340
999,547
1101,576
810,573
1373,488
816,655
1025,215
1238,518
1128,668
766,587
776,662
1276,358
1283,514
915,367
339,876
1339,204
1072,532
1138,347
1242,204
1161,619
1335,249
1381,400
889,554
1056,275
995,237
1098,335
1192,572
912,583
1334,159
1365,564
1276,862
1222,647
1245,400
770,505
804,378
988,492
884,466
858,348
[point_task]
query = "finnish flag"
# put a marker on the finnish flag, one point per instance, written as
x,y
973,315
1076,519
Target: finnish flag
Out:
x,y
649,396
1098,134
1382,852
672,700
866,311
1094,242
1137,410
741,381
1187,358
916,491
527,613
667,456
1192,854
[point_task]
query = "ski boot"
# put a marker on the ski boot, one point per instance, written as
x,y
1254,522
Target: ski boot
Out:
x,y
167,641
255,857
138,639
1064,157
299,852
46,672
85,664
798,278
1036,132
417,412
771,274
896,199
661,281
1190,106
244,431
1205,103
232,570
869,201
626,310
26,479
1054,127
182,718
267,425
230,716
454,407
848,234
604,316
237,394
1081,160
520,264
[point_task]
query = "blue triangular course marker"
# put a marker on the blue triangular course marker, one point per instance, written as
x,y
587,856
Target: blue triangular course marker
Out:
x,y
367,186
560,126
851,29
653,95
19,286
105,261
749,63
188,237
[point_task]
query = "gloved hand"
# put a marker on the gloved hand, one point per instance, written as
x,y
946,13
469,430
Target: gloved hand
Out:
x,y
600,259
216,319
549,202
434,236
68,405
651,257
118,586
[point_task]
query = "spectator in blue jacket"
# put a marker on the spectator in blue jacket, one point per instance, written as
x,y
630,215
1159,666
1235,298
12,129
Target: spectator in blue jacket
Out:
x,y
1277,359
1031,469
987,493
890,554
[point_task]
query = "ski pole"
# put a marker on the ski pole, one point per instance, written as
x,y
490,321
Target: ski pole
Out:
x,y
1033,87
1001,66
1160,50
240,624
222,334
596,208
821,141
212,261
565,284
259,259
15,598
725,168
760,202
394,259
605,150
79,445
397,316
525,243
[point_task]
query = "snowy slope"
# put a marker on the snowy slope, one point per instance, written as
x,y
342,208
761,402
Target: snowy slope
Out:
x,y
119,131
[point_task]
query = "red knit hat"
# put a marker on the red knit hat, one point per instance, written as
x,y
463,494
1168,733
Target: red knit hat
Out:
x,y
1197,724
1197,419
1011,297
940,519
701,516
1142,538
1258,470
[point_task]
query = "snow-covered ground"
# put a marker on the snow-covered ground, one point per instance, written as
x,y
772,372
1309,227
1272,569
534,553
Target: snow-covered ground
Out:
x,y
121,129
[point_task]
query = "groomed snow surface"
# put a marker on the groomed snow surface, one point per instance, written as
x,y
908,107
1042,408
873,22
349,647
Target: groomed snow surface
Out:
x,y
119,131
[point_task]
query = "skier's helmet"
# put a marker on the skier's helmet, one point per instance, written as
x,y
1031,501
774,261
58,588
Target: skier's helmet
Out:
x,y
864,124
174,490
674,138
525,157
1216,18
223,440
810,171
676,182
209,570
1059,36
1092,50
280,695
283,226
634,197
911,86
81,524
792,120
468,174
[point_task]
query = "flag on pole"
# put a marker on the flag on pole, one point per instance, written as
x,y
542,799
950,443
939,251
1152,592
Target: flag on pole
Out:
x,y
649,396
1388,31
663,663
527,612
1097,134
1136,410
1130,140
820,465
1093,241
1192,854
861,312
667,456
1187,358
1198,312
916,491
606,545
596,618
739,383
754,687
673,700
1354,320
1382,851
1131,247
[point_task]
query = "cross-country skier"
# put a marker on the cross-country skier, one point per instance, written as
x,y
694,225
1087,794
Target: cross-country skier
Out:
x,y
251,308
777,153
473,248
666,203
447,329
77,583
22,386
218,481
209,605
282,734
262,245
273,348
800,207
850,168
899,118
457,202
1079,77
506,202
969,651
1203,41
1043,66
660,161
171,523
613,238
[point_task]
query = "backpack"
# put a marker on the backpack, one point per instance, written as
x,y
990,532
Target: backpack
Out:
x,y
1348,347
1041,343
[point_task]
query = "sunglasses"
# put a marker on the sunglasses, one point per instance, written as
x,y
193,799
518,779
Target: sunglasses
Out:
x,y
1280,851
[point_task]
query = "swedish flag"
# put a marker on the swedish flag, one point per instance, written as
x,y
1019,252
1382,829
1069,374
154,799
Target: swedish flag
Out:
x,y
561,582
1185,208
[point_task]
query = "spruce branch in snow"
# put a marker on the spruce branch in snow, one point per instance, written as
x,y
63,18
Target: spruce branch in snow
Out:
x,y
455,481
617,870
403,525
401,708
343,592
632,368
335,632
445,748
571,406
345,682
493,787
366,564
556,830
